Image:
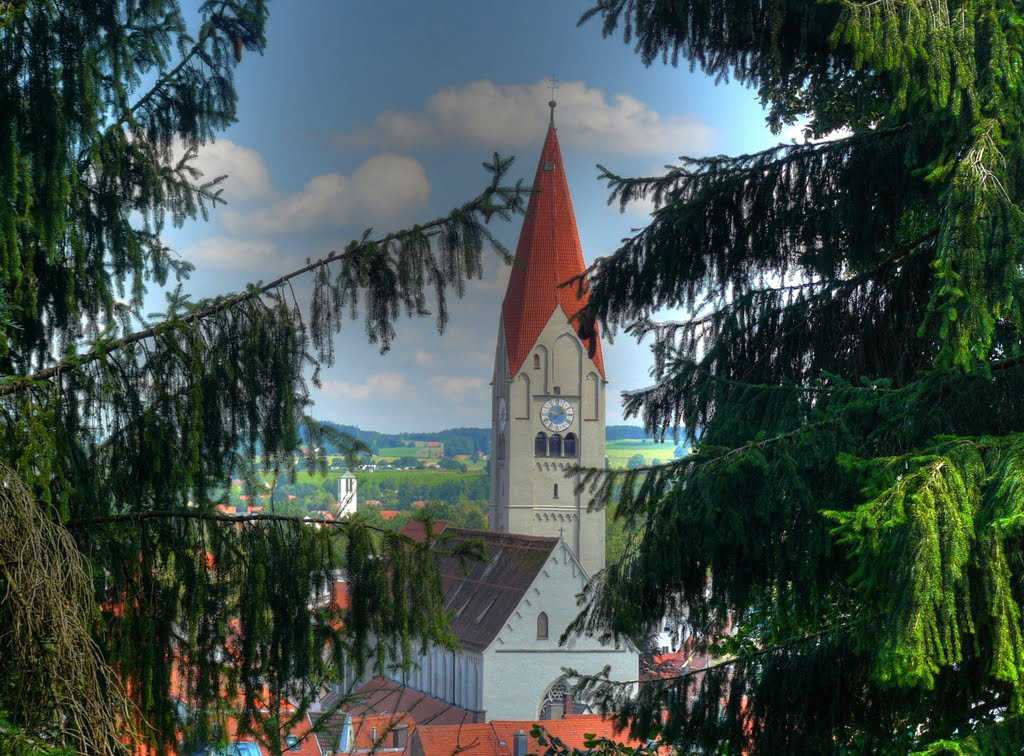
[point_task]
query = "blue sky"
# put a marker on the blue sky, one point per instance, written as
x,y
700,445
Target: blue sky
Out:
x,y
380,114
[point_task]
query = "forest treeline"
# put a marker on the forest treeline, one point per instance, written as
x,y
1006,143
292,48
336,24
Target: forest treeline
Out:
x,y
455,440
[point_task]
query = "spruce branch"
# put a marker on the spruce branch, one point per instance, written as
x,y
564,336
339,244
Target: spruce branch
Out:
x,y
495,200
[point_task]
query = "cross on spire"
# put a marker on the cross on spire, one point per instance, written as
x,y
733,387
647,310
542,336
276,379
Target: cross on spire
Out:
x,y
553,85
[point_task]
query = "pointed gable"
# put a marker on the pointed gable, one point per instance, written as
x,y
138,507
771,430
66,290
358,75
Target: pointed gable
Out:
x,y
483,594
548,254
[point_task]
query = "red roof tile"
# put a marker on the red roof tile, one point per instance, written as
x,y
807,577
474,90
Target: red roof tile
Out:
x,y
497,738
375,733
548,254
380,696
417,529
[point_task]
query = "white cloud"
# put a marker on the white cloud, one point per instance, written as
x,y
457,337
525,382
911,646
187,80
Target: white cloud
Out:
x,y
247,176
795,133
483,112
384,189
424,359
227,253
639,208
376,386
458,388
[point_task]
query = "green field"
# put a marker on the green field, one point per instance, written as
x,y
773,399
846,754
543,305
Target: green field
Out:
x,y
413,476
420,451
393,452
619,452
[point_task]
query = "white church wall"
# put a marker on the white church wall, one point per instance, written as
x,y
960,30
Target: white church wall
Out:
x,y
453,676
568,365
519,667
528,503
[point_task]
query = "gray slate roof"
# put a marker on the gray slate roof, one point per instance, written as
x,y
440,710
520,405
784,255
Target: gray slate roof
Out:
x,y
483,594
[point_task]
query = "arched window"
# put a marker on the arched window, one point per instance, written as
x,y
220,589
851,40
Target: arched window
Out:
x,y
542,626
557,700
540,445
570,445
536,362
555,495
555,446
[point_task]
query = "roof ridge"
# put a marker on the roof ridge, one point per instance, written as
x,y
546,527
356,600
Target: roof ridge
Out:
x,y
496,534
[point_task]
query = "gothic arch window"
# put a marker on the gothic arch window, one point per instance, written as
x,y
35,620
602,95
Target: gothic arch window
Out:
x,y
555,445
571,449
540,445
555,495
557,698
542,626
536,362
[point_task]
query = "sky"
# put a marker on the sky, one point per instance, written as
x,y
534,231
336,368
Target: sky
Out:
x,y
380,114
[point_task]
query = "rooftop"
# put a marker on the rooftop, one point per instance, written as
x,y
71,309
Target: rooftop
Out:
x,y
549,253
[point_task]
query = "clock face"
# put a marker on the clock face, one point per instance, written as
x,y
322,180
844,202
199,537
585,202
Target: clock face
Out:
x,y
556,414
502,413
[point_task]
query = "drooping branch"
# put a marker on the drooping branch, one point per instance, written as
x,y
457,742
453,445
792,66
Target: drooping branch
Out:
x,y
495,200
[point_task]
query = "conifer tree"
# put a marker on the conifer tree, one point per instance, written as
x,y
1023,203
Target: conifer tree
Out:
x,y
850,379
124,590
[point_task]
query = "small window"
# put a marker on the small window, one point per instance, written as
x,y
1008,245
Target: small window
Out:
x,y
540,445
558,390
542,626
570,445
292,743
555,494
555,446
548,166
399,737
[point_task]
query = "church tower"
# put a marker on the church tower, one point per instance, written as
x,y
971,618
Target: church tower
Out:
x,y
549,383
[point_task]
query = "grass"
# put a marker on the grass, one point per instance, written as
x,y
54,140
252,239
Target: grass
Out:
x,y
413,476
619,452
422,452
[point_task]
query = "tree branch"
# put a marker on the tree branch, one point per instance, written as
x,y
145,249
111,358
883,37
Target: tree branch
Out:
x,y
16,384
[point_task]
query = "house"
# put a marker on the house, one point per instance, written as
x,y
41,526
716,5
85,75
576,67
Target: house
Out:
x,y
343,733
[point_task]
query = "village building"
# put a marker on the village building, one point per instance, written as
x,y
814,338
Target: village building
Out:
x,y
348,494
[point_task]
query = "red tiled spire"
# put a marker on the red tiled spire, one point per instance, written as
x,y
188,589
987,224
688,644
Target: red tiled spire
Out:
x,y
549,253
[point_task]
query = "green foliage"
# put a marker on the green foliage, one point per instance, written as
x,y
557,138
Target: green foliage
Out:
x,y
592,746
127,431
636,462
849,381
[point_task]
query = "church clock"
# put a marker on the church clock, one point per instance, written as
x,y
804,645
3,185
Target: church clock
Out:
x,y
556,414
502,413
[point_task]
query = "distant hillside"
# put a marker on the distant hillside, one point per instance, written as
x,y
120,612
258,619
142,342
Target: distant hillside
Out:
x,y
455,440
458,440
620,432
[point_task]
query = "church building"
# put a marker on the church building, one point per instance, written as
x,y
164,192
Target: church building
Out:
x,y
549,383
510,609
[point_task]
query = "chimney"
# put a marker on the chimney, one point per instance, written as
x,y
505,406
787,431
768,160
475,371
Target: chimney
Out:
x,y
567,710
519,743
